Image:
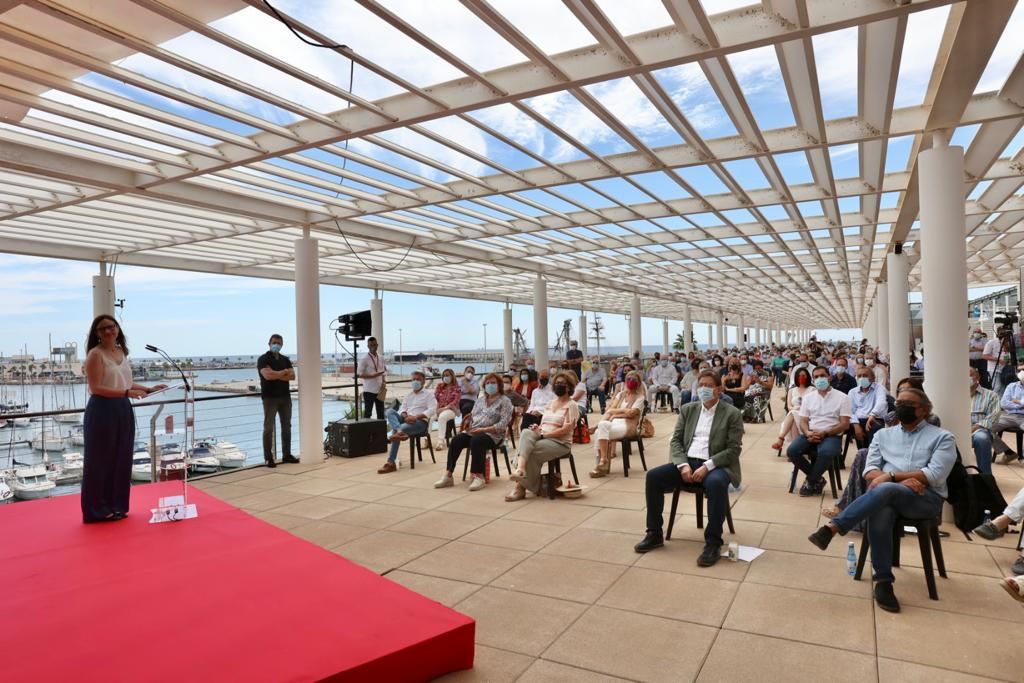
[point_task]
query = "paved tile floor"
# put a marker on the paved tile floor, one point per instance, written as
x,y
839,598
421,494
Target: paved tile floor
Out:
x,y
559,594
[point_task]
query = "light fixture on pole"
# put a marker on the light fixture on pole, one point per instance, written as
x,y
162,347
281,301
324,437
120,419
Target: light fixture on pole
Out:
x,y
485,341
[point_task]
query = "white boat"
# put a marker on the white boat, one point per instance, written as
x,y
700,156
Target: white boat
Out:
x,y
227,454
142,465
78,435
172,462
47,441
203,464
68,471
68,418
31,482
6,494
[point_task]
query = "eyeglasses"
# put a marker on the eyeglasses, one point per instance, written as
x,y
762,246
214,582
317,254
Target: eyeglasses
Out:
x,y
106,327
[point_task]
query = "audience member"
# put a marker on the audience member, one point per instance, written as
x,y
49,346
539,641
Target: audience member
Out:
x,y
482,429
824,418
985,411
869,407
411,419
841,379
620,421
790,427
542,396
595,380
663,378
470,386
447,395
1012,417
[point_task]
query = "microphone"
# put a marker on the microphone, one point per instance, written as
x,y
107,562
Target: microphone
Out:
x,y
151,348
184,379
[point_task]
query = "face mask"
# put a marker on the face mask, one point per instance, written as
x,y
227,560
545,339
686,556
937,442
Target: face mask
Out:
x,y
416,385
543,381
491,388
821,383
705,394
372,347
276,348
469,375
664,363
906,414
1020,375
560,389
530,367
447,379
525,377
632,384
976,336
717,363
840,369
863,382
869,362
801,381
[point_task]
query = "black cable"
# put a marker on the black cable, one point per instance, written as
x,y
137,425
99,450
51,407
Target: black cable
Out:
x,y
298,35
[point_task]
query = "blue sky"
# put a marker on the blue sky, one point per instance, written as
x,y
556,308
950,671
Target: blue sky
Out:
x,y
208,314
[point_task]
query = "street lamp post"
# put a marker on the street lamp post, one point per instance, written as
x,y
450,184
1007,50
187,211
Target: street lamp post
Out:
x,y
485,341
399,344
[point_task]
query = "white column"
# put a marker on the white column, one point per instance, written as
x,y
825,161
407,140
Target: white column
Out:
x,y
757,332
377,321
883,317
664,338
583,333
506,316
687,329
102,292
719,331
711,338
741,331
899,317
540,322
307,323
868,331
635,340
944,288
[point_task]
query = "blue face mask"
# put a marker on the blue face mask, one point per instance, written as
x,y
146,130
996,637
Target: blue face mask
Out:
x,y
705,394
821,383
416,385
276,348
491,388
863,382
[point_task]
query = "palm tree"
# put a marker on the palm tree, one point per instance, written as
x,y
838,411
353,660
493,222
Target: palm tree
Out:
x,y
679,344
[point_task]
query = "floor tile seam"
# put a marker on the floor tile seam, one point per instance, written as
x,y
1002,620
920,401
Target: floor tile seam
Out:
x,y
831,645
1016,624
556,597
945,668
676,573
746,579
633,610
581,668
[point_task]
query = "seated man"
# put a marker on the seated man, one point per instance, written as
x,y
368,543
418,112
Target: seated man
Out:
x,y
869,407
411,419
842,380
705,449
1013,514
595,379
1012,417
539,400
985,410
906,471
663,378
824,418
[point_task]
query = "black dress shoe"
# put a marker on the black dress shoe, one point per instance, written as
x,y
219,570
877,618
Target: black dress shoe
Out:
x,y
290,459
885,597
710,555
652,540
821,538
270,463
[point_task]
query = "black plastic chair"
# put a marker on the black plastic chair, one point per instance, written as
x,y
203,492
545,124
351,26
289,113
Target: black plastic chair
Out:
x,y
698,492
661,397
928,540
1020,442
416,449
555,472
639,439
494,456
835,477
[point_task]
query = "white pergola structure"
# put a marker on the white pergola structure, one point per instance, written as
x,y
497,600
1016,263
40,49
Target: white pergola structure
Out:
x,y
152,174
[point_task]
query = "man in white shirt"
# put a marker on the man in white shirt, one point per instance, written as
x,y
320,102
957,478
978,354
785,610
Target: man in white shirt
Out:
x,y
824,418
372,371
975,349
869,407
663,378
540,398
411,419
705,451
594,379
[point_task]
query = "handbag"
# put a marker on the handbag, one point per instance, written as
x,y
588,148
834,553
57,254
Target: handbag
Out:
x,y
382,393
647,428
581,434
971,494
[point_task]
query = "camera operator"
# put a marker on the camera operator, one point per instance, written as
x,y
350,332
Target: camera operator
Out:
x,y
997,353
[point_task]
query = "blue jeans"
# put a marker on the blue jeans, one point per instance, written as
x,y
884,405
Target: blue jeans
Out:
x,y
880,507
829,449
397,424
667,478
981,440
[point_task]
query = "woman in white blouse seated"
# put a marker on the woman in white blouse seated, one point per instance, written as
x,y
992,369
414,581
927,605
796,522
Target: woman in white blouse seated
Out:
x,y
549,440
621,420
790,427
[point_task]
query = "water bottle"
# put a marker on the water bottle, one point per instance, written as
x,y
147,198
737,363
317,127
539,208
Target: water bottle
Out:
x,y
987,518
851,559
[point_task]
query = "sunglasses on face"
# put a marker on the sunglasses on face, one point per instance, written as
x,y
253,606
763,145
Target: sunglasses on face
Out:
x,y
106,327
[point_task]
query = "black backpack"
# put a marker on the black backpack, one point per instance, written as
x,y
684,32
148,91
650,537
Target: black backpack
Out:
x,y
970,494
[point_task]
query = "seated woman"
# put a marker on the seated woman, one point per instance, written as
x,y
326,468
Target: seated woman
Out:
x,y
620,421
549,440
481,430
759,392
525,382
735,383
789,429
447,394
470,390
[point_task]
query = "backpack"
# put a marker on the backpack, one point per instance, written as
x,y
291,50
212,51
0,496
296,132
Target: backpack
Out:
x,y
970,494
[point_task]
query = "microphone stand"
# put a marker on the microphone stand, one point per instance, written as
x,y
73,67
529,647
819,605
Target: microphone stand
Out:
x,y
190,430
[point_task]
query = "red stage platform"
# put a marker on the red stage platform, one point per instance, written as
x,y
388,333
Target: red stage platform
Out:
x,y
225,597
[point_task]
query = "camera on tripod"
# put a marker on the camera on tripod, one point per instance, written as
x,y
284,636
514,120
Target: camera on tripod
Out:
x,y
1005,320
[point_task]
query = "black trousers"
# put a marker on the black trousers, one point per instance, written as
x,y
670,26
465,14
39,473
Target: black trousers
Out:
x,y
478,445
109,430
667,478
370,400
466,406
280,407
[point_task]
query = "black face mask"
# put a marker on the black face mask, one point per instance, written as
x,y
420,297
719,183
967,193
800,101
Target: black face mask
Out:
x,y
560,389
906,414
543,381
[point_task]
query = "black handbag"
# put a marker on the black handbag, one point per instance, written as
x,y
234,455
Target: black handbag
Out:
x,y
971,493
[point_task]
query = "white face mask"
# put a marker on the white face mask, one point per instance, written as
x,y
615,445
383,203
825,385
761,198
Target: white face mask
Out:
x,y
869,362
1020,375
469,375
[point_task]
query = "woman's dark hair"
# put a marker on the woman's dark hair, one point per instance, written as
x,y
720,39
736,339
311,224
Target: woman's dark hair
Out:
x,y
448,371
801,371
93,339
912,382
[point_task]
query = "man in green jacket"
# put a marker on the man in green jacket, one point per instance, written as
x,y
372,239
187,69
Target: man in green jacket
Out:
x,y
705,450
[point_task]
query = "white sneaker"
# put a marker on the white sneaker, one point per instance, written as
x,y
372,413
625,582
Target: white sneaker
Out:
x,y
477,484
444,482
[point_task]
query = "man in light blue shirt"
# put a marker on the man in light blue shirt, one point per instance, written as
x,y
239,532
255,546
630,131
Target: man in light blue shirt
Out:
x,y
1012,417
869,407
906,471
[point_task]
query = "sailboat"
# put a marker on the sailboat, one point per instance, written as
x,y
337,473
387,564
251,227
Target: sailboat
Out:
x,y
46,439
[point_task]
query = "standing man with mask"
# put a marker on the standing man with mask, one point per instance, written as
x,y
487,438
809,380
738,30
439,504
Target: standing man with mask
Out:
x,y
574,358
975,351
372,371
275,373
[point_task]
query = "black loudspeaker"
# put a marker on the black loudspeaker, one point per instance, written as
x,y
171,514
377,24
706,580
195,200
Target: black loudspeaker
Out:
x,y
356,325
353,438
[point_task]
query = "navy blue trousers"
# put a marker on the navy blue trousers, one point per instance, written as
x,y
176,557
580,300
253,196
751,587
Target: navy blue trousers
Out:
x,y
109,429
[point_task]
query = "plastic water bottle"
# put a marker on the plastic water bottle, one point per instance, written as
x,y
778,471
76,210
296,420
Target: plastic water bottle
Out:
x,y
987,518
851,559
